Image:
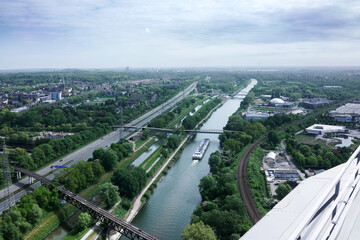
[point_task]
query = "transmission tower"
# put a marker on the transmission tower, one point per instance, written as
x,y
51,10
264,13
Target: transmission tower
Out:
x,y
9,196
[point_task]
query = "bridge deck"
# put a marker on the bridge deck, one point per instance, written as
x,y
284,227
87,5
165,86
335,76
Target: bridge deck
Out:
x,y
167,130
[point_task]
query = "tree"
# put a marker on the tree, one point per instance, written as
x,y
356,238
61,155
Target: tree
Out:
x,y
207,188
84,220
214,162
109,160
273,138
173,141
109,193
126,182
198,231
282,191
34,214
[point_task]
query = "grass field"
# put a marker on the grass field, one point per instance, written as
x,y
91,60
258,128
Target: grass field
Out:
x,y
310,140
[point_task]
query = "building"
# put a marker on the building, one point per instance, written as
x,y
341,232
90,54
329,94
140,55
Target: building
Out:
x,y
350,112
277,102
256,115
55,96
314,103
270,158
322,129
283,173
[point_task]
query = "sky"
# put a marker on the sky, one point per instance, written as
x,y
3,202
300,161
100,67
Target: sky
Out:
x,y
178,33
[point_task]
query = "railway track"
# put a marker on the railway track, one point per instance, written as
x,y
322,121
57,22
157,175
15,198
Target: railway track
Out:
x,y
243,185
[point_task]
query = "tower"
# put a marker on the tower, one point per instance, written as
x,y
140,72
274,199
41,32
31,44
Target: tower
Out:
x,y
9,196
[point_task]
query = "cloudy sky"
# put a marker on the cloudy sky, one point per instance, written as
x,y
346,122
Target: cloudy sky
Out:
x,y
174,33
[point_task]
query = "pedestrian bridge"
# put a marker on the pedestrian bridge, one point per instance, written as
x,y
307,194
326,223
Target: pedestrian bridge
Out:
x,y
169,130
114,222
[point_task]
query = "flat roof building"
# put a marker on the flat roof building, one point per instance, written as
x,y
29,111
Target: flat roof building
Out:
x,y
321,129
314,103
284,173
350,112
256,115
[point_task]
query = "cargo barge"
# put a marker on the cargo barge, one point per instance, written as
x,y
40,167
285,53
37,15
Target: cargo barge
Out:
x,y
199,153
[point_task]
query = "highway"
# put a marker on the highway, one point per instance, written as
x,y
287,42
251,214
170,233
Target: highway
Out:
x,y
85,152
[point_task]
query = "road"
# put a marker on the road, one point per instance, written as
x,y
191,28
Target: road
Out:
x,y
86,152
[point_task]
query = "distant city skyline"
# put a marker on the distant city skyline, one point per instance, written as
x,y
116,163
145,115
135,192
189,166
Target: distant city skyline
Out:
x,y
161,34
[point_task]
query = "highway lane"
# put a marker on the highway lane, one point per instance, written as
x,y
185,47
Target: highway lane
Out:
x,y
86,152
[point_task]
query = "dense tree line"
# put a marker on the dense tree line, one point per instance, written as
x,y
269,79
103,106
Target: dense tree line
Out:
x,y
224,82
28,212
309,84
221,207
162,121
257,182
191,121
314,156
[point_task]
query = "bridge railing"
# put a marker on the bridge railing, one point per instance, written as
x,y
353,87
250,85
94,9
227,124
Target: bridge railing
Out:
x,y
327,215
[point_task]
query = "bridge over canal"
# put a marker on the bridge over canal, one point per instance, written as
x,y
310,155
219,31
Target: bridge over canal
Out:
x,y
169,130
125,228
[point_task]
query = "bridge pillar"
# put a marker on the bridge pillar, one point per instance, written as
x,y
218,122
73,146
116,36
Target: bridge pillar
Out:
x,y
18,175
31,180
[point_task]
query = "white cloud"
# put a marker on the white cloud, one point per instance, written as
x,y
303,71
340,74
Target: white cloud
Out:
x,y
179,32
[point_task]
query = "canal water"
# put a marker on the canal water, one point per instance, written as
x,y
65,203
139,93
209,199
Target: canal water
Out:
x,y
172,203
145,154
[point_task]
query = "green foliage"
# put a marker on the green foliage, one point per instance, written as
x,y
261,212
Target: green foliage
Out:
x,y
282,191
34,214
198,231
130,183
257,182
313,156
190,121
207,188
109,194
173,141
84,220
45,198
80,175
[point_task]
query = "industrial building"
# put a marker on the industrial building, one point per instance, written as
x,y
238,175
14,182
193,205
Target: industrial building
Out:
x,y
314,103
283,173
321,129
350,112
256,115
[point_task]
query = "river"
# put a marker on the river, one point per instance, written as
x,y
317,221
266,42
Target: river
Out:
x,y
172,203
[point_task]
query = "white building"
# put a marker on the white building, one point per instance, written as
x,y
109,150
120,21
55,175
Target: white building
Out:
x,y
321,129
270,158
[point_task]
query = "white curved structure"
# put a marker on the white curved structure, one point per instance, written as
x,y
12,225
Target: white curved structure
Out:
x,y
276,101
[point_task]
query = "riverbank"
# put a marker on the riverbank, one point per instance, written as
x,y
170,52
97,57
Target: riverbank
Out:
x,y
138,203
173,201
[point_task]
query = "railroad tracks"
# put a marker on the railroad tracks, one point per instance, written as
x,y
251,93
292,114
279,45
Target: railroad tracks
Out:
x,y
243,185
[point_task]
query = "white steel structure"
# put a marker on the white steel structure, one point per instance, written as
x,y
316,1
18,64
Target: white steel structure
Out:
x,y
326,206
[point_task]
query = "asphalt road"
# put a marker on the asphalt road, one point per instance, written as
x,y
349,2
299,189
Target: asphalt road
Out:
x,y
86,152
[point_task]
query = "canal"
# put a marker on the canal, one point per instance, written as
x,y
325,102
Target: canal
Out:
x,y
172,203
